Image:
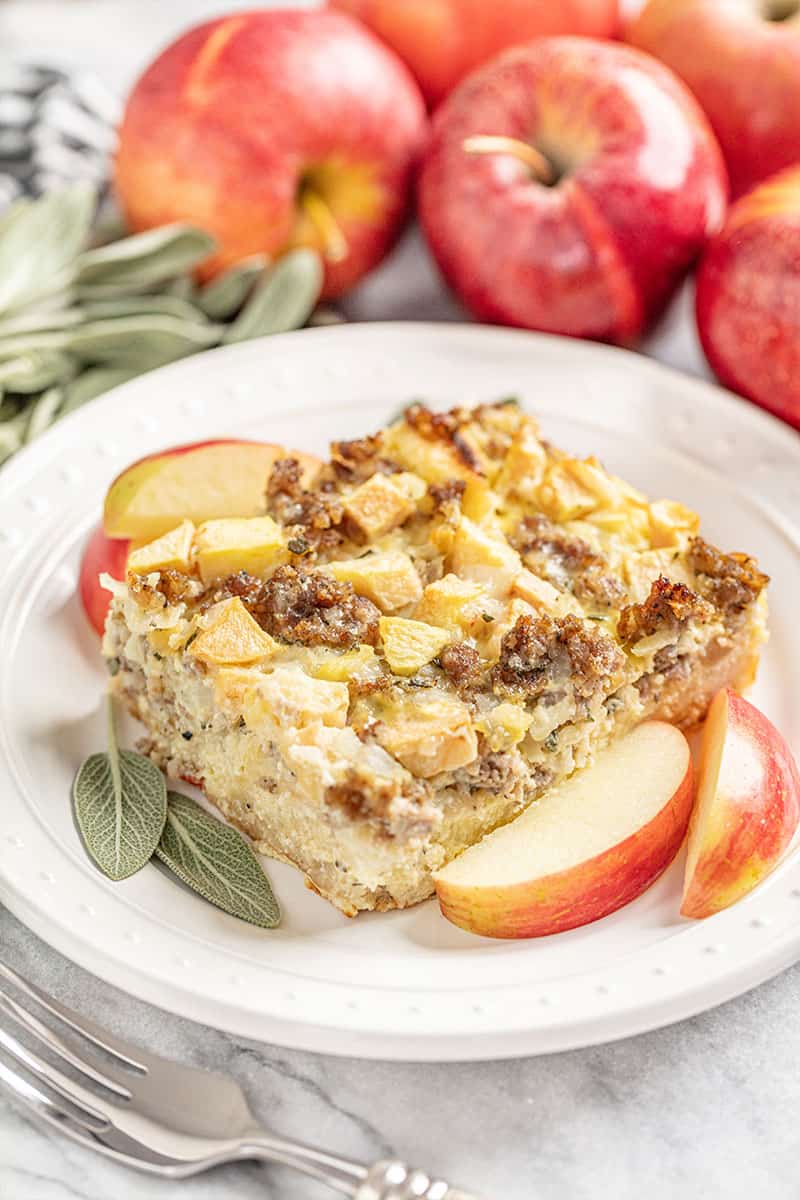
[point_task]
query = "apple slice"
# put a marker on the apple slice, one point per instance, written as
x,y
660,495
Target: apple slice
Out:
x,y
584,849
101,554
748,806
199,482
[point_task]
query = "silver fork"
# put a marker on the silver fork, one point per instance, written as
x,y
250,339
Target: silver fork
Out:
x,y
158,1116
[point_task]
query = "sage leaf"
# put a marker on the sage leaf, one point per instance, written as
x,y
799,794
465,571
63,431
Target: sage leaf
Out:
x,y
283,301
226,294
139,342
93,382
34,321
43,412
36,370
161,304
216,862
145,258
120,802
39,243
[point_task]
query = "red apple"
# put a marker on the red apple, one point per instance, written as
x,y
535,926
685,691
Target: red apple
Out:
x,y
101,554
443,40
748,299
584,849
199,481
275,129
567,187
748,806
742,61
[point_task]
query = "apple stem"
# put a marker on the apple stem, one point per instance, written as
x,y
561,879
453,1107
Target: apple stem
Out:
x,y
488,143
334,243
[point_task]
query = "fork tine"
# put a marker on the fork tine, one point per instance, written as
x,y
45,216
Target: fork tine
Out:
x,y
126,1054
55,1043
39,1103
87,1103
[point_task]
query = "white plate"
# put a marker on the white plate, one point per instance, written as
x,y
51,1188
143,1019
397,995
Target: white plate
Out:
x,y
403,985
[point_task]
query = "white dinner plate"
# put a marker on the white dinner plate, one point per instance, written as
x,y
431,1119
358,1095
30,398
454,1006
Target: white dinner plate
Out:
x,y
404,985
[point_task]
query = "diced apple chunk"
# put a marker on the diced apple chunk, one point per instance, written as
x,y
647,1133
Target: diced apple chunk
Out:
x,y
433,733
450,602
378,506
171,551
233,638
410,645
387,579
232,544
338,666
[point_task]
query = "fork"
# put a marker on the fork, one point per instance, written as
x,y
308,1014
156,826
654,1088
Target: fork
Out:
x,y
159,1116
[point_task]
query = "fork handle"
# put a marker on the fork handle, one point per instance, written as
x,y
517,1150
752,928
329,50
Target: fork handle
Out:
x,y
393,1180
388,1179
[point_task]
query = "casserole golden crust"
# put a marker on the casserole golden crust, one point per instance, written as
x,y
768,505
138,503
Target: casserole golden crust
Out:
x,y
402,655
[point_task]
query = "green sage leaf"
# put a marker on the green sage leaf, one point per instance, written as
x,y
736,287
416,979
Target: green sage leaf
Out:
x,y
139,342
283,301
159,303
216,862
34,321
93,382
36,370
226,294
39,243
120,802
145,258
43,412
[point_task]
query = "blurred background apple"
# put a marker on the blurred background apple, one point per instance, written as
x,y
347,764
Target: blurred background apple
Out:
x,y
748,297
568,186
443,40
275,129
741,58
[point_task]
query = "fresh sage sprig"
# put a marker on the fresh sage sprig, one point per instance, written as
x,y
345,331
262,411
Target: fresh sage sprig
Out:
x,y
76,320
120,802
126,817
216,862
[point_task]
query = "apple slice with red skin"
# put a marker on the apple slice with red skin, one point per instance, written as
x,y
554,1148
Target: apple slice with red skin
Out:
x,y
748,806
200,481
585,849
101,554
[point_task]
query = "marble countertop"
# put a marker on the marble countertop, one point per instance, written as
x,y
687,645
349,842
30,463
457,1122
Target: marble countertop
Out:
x,y
707,1108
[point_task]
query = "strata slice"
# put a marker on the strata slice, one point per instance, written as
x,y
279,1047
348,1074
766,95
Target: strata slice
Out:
x,y
450,617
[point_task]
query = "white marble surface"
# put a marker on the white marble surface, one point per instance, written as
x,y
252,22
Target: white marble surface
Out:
x,y
702,1110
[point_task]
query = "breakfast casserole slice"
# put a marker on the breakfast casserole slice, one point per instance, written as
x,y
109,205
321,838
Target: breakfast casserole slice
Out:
x,y
402,654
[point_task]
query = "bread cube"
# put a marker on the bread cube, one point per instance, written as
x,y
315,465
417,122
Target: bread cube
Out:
x,y
232,544
410,645
388,579
451,603
476,554
670,523
290,699
542,595
505,725
378,506
429,734
171,551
